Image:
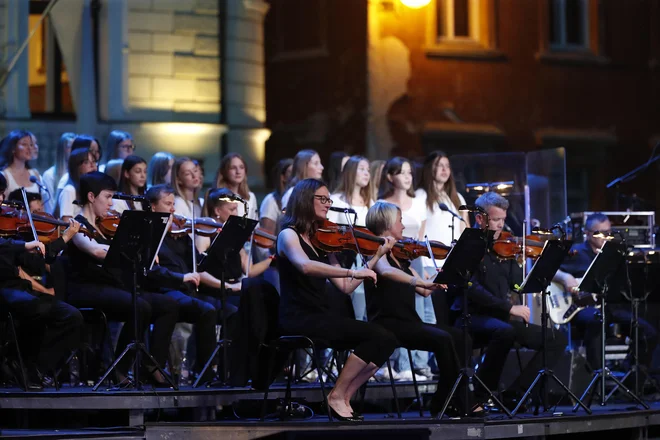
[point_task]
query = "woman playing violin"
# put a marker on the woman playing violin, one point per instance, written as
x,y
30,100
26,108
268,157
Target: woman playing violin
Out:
x,y
51,328
91,285
391,304
304,307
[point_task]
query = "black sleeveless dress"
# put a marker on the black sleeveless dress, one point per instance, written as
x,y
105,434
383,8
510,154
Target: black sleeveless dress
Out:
x,y
305,310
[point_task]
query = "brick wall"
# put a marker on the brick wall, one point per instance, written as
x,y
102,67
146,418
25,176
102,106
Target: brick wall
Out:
x,y
174,55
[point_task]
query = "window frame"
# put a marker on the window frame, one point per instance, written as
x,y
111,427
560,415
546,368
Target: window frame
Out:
x,y
482,42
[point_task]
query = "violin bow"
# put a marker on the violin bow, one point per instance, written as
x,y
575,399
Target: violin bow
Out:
x,y
355,241
194,248
428,248
29,213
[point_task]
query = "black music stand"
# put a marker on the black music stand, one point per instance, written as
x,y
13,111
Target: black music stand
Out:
x,y
133,250
462,261
553,254
597,278
229,242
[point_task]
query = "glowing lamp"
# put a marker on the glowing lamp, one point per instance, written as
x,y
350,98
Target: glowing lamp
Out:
x,y
415,4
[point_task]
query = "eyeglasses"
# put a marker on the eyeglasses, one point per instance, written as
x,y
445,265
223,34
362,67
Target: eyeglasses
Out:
x,y
128,147
324,200
607,232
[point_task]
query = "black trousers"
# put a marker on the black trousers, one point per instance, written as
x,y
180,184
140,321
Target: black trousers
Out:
x,y
499,337
49,328
164,316
587,321
370,342
117,304
204,316
420,336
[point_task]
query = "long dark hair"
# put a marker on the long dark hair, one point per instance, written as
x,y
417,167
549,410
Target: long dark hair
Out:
x,y
428,181
60,155
332,173
77,158
9,144
85,141
115,138
279,170
300,214
126,166
158,167
393,167
212,200
300,161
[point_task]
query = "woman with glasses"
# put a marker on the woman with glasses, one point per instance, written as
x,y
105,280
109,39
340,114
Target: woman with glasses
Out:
x,y
119,146
304,305
81,162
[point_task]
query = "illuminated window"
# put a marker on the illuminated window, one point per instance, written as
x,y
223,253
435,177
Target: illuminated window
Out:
x,y
462,28
47,77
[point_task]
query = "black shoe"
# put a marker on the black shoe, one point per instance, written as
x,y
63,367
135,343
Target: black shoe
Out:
x,y
342,418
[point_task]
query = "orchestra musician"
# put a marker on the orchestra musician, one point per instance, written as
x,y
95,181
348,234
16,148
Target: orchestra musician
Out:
x,y
91,285
50,329
304,308
391,304
173,276
493,316
586,320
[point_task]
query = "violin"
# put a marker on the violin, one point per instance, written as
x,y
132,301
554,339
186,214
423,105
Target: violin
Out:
x,y
263,239
109,223
507,246
332,237
14,221
204,226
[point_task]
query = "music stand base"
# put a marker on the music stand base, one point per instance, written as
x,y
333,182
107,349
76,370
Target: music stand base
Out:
x,y
222,383
602,375
542,380
469,375
135,348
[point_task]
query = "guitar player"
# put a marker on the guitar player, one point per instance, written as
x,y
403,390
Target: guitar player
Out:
x,y
586,320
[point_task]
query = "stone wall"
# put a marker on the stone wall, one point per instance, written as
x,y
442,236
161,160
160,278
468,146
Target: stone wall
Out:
x,y
174,56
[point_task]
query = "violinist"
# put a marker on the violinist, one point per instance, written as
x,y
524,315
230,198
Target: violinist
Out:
x,y
91,285
492,311
304,308
173,276
586,320
391,304
51,328
176,252
132,181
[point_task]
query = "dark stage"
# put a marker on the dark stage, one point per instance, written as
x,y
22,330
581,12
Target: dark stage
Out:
x,y
166,414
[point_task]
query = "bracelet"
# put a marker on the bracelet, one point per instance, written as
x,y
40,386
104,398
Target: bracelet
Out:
x,y
413,281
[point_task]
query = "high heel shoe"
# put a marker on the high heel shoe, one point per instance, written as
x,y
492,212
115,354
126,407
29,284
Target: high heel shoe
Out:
x,y
340,417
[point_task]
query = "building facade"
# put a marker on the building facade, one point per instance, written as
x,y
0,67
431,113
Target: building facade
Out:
x,y
184,76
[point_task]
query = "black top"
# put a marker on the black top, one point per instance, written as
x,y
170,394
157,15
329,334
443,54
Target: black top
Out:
x,y
391,299
491,285
578,264
85,269
301,294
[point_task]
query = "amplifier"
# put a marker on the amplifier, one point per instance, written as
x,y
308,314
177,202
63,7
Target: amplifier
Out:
x,y
636,226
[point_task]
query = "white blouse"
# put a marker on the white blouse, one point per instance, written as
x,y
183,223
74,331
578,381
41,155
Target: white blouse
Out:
x,y
338,201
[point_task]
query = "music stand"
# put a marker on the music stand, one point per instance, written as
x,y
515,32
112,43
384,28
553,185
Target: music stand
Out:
x,y
553,254
609,258
229,242
461,262
133,250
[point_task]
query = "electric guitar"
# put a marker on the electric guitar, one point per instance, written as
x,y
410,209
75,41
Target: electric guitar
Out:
x,y
562,305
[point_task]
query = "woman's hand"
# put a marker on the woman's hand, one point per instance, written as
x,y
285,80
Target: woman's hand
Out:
x,y
71,231
384,248
36,244
362,274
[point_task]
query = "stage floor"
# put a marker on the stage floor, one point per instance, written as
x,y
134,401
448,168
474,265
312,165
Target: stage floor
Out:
x,y
205,404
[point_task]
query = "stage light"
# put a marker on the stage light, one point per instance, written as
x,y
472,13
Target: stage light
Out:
x,y
415,4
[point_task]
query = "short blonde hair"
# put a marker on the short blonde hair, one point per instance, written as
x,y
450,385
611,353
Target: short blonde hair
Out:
x,y
382,216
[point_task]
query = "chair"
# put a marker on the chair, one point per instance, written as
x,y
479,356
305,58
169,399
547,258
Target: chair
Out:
x,y
12,327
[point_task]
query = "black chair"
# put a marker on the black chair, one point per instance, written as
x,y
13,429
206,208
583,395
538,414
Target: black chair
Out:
x,y
9,321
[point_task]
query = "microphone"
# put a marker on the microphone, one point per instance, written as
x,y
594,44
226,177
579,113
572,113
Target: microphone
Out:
x,y
129,197
231,198
472,208
337,209
42,187
444,207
